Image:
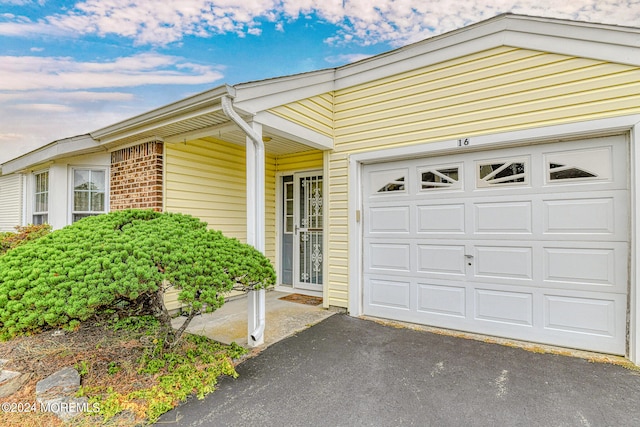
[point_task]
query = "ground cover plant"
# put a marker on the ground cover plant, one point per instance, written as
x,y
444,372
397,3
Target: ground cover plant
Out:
x,y
122,262
23,234
125,370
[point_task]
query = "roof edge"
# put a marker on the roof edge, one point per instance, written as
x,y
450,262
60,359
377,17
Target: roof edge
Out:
x,y
75,145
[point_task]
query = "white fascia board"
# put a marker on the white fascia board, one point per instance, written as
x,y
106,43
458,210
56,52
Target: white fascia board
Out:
x,y
595,41
157,123
262,95
286,129
170,113
76,145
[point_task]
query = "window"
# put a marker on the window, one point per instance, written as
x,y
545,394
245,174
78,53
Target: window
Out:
x,y
579,165
89,193
288,204
440,177
386,182
41,198
502,172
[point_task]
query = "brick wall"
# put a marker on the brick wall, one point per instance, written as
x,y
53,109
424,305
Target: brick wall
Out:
x,y
136,177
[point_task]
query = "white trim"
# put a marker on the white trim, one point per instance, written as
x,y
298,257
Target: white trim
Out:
x,y
284,128
325,226
634,292
35,193
279,227
67,147
624,124
24,196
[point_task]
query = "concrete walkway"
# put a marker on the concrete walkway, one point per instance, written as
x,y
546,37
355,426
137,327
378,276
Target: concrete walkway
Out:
x,y
346,371
229,323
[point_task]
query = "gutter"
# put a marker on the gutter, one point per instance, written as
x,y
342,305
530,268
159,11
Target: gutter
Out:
x,y
255,216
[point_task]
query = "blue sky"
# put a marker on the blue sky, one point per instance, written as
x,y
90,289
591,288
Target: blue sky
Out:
x,y
71,67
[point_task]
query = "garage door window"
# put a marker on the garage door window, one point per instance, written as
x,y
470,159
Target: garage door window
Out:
x,y
391,181
440,177
505,172
585,165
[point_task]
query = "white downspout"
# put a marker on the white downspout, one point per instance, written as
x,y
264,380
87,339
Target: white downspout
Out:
x,y
255,214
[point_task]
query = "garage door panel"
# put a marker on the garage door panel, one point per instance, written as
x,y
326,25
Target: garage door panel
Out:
x,y
393,219
389,293
443,300
596,268
581,315
441,218
515,308
503,217
441,259
389,256
582,216
580,265
503,262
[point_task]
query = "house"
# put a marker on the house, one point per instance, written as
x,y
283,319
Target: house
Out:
x,y
484,180
11,201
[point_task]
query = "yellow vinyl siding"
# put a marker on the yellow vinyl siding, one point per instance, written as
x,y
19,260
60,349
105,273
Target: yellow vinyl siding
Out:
x,y
505,89
299,161
315,113
499,90
207,179
10,202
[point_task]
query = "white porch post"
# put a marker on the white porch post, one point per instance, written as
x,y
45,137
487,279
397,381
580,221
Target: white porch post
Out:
x,y
255,231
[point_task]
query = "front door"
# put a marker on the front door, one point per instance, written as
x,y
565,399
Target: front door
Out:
x,y
307,250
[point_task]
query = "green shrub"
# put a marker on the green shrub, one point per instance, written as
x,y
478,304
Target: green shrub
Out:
x,y
121,262
23,234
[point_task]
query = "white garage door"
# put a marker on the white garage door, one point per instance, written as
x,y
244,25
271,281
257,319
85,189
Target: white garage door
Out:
x,y
528,243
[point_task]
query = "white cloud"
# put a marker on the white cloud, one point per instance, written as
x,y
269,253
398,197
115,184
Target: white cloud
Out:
x,y
366,22
20,73
48,98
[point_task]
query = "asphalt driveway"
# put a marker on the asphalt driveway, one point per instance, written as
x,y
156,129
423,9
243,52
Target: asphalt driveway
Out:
x,y
351,372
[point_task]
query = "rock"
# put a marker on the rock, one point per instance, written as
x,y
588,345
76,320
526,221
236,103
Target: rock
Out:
x,y
65,382
56,394
11,381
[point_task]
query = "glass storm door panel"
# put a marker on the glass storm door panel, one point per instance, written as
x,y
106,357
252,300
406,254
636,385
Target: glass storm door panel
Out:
x,y
309,223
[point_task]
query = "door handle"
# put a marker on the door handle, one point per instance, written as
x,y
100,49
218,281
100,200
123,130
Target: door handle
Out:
x,y
468,256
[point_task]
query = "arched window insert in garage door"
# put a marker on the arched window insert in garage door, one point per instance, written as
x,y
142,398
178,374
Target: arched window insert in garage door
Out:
x,y
585,165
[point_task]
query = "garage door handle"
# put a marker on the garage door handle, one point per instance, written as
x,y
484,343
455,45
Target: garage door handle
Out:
x,y
468,256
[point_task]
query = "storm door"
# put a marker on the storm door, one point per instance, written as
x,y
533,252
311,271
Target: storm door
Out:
x,y
308,250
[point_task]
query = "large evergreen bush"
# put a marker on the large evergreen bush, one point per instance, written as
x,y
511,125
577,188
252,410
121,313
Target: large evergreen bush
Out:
x,y
121,261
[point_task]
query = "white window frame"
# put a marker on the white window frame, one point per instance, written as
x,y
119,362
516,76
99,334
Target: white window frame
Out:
x,y
72,211
44,213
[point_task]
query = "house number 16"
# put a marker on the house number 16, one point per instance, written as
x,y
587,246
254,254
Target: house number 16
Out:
x,y
463,142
